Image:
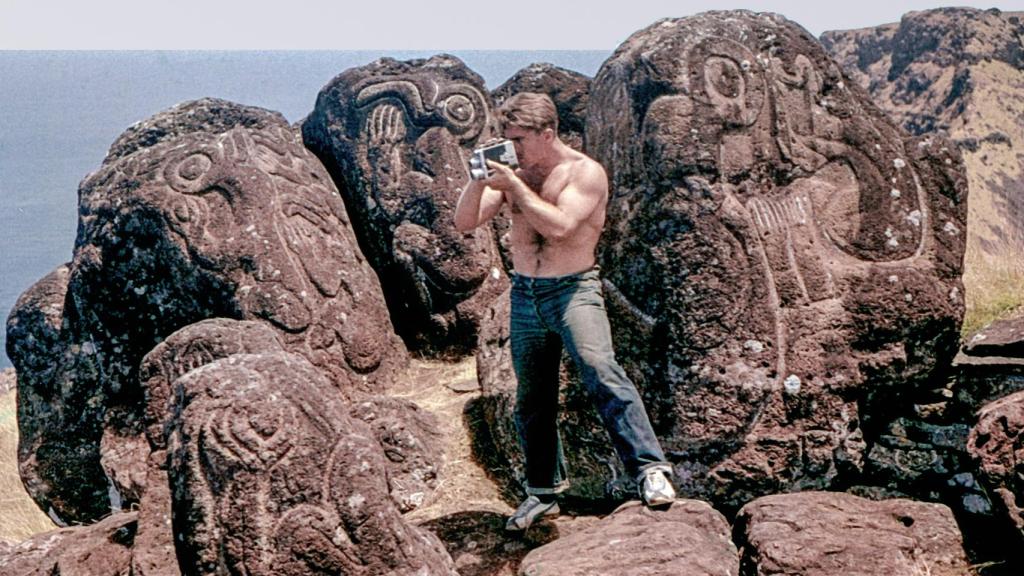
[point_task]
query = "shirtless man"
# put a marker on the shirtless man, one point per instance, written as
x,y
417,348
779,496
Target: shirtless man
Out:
x,y
558,198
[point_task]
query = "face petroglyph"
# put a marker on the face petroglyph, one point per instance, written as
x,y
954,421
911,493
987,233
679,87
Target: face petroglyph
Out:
x,y
207,210
396,135
748,229
275,476
247,204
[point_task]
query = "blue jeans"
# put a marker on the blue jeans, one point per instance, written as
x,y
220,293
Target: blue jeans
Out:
x,y
568,311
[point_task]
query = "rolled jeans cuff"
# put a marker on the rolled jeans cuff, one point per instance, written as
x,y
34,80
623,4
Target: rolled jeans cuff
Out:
x,y
658,466
558,489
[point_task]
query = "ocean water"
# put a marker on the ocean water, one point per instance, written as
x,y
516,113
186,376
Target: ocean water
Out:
x,y
60,111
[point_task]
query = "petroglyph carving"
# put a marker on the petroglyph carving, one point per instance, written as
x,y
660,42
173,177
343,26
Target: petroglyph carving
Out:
x,y
726,76
461,108
395,133
253,203
207,210
274,477
751,229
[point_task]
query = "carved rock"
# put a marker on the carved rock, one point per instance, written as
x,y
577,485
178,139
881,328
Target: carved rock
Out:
x,y
689,538
270,475
407,435
821,533
210,209
569,90
394,136
960,72
101,549
411,441
997,443
778,257
190,348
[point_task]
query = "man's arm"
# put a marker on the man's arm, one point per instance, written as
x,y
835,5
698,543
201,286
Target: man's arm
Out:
x,y
477,204
575,204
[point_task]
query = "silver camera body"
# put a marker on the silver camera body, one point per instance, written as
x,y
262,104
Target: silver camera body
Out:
x,y
503,152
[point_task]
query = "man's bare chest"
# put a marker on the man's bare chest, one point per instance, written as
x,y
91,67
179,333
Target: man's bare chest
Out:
x,y
548,187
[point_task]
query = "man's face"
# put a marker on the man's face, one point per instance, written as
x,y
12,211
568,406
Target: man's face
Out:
x,y
531,145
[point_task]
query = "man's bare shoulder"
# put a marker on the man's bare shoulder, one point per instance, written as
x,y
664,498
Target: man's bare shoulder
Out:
x,y
587,174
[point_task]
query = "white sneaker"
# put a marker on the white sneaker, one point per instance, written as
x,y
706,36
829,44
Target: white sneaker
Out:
x,y
655,489
528,512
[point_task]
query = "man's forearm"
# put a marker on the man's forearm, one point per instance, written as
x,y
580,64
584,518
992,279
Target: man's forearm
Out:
x,y
467,211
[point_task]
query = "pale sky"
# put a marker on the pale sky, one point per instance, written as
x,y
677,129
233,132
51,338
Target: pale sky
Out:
x,y
395,25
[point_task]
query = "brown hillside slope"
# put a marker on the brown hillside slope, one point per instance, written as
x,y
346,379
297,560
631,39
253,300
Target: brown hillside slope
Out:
x,y
960,71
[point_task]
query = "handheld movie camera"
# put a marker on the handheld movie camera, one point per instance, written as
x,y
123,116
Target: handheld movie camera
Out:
x,y
503,152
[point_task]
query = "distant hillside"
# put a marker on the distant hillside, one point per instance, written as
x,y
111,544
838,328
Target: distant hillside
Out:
x,y
960,71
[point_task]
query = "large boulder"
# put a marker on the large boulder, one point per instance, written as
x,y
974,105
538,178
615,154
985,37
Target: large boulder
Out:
x,y
407,435
689,538
270,474
569,90
210,209
394,136
997,443
823,533
959,72
781,262
100,549
60,470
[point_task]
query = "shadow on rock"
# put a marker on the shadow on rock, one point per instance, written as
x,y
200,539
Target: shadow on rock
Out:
x,y
480,546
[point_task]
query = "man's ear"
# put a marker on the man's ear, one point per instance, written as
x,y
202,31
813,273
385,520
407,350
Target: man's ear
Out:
x,y
549,134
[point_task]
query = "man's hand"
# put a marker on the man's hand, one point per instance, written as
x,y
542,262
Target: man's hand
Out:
x,y
503,178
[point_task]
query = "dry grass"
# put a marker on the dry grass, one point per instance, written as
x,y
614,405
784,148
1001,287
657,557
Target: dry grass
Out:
x,y
20,518
992,293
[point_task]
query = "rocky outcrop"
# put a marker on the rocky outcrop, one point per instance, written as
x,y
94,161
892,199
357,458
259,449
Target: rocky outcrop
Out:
x,y
781,265
101,549
569,90
411,441
270,475
689,538
781,262
394,136
818,533
997,443
210,209
959,71
924,450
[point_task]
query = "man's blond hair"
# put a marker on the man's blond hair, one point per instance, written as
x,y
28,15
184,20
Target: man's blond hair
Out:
x,y
530,111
